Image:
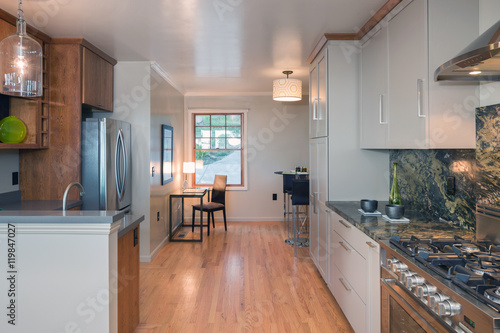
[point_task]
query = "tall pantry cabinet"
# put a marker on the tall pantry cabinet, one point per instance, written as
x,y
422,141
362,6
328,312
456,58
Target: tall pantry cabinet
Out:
x,y
339,169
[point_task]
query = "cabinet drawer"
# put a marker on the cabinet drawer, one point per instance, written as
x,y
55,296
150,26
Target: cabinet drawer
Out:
x,y
351,264
352,306
361,242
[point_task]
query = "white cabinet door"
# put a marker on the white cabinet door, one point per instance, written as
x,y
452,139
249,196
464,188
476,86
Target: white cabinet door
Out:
x,y
408,77
374,88
318,106
373,281
313,230
323,244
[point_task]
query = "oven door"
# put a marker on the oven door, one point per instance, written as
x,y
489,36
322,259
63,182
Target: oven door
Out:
x,y
402,313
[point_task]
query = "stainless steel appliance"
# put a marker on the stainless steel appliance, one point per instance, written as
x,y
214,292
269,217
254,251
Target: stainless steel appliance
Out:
x,y
106,174
440,285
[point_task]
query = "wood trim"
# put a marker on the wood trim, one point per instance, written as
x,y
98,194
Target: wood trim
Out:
x,y
87,45
377,17
29,29
373,21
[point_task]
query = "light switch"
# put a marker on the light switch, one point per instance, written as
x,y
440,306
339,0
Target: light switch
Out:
x,y
152,171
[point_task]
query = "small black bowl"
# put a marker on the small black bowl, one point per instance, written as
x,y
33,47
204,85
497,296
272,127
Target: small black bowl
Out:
x,y
368,205
395,211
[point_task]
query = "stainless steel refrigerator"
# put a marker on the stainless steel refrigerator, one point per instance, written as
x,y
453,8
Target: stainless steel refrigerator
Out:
x,y
106,166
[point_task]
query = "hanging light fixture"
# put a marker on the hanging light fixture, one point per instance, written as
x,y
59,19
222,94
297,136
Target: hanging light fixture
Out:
x,y
287,90
21,62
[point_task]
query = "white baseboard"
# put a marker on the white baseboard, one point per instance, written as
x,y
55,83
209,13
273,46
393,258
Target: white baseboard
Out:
x,y
145,258
159,247
241,219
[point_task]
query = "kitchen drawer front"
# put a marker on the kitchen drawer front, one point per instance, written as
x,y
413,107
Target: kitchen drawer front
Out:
x,y
361,242
351,264
352,306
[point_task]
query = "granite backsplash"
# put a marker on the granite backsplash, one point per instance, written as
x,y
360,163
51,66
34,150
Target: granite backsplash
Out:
x,y
422,174
422,177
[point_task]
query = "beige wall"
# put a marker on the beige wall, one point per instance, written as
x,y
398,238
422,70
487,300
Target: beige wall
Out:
x,y
277,140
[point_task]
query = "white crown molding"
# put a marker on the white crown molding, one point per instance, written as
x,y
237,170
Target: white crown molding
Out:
x,y
159,70
66,228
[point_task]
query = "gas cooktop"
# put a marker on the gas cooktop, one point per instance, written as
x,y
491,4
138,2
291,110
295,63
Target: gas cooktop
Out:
x,y
473,265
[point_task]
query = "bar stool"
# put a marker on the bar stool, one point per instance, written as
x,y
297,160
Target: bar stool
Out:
x,y
287,192
300,198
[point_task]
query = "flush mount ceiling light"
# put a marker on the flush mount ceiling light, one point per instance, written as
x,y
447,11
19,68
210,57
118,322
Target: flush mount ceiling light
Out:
x,y
21,62
287,90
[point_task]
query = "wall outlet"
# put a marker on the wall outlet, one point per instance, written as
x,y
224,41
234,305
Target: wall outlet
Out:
x,y
275,196
152,171
450,186
15,178
157,216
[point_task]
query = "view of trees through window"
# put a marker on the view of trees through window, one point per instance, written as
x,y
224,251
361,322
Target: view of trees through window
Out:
x,y
218,147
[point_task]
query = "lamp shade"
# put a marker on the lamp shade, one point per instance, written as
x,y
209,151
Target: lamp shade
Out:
x,y
188,167
287,90
21,63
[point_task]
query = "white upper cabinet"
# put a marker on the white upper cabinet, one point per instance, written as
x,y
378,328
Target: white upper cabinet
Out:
x,y
402,106
374,88
318,109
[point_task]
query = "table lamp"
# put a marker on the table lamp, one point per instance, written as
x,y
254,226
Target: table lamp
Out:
x,y
187,167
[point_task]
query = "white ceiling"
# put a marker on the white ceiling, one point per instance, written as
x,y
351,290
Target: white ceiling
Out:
x,y
204,45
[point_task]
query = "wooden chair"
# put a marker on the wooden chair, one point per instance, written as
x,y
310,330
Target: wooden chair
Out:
x,y
216,203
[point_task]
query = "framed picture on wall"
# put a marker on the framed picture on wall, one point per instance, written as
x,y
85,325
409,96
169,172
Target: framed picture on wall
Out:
x,y
167,151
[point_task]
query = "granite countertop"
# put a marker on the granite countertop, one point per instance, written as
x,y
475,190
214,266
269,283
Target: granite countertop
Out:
x,y
378,228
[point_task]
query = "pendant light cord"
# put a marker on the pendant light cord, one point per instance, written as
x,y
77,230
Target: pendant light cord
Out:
x,y
20,12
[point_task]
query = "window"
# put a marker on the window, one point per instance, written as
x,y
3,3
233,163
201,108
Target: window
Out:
x,y
218,147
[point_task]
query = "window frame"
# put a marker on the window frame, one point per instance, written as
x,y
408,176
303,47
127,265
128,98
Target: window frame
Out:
x,y
191,147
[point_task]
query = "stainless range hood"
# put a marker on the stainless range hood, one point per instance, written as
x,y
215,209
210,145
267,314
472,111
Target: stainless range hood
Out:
x,y
480,61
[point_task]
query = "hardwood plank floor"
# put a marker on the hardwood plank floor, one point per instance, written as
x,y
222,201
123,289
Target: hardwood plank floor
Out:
x,y
242,280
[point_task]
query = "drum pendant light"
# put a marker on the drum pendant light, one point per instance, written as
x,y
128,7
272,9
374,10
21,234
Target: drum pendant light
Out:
x,y
287,90
21,62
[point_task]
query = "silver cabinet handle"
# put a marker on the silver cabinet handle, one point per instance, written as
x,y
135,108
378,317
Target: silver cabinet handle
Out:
x,y
370,244
345,246
345,224
346,286
420,98
315,109
315,207
381,108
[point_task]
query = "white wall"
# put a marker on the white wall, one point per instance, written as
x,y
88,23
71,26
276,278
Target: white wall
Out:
x,y
167,107
9,163
132,104
489,14
277,140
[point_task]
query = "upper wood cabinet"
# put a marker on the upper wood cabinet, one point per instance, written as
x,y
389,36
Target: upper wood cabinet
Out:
x,y
97,81
402,106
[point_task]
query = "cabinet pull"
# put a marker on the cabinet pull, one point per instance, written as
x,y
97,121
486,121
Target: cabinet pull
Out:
x,y
315,109
346,286
136,236
344,224
315,208
381,108
370,244
345,247
420,98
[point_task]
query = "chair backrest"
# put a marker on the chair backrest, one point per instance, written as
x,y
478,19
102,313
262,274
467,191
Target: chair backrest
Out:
x,y
287,183
300,192
219,189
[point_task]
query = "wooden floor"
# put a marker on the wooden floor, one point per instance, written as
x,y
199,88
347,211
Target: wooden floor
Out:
x,y
242,280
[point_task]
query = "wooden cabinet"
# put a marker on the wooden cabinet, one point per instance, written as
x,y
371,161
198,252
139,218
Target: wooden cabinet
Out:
x,y
45,174
97,81
318,104
355,274
128,281
415,112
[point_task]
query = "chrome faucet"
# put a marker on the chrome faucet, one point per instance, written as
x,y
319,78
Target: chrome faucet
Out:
x,y
65,195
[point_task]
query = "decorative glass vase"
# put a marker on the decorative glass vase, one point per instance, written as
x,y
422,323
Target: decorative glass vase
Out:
x,y
395,196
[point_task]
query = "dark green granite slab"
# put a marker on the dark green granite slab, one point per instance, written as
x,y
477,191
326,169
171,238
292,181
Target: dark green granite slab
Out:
x,y
379,229
422,178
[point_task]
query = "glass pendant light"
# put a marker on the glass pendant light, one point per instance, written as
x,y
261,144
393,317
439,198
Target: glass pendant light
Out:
x,y
21,62
287,90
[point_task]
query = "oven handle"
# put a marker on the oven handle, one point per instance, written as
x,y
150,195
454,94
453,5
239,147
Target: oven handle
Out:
x,y
387,284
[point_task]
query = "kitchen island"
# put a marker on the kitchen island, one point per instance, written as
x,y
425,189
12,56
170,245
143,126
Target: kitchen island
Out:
x,y
62,270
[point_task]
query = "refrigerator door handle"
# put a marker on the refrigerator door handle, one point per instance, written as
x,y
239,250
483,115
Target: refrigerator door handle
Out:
x,y
119,176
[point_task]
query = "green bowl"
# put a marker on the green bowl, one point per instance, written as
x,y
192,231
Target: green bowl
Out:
x,y
12,130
